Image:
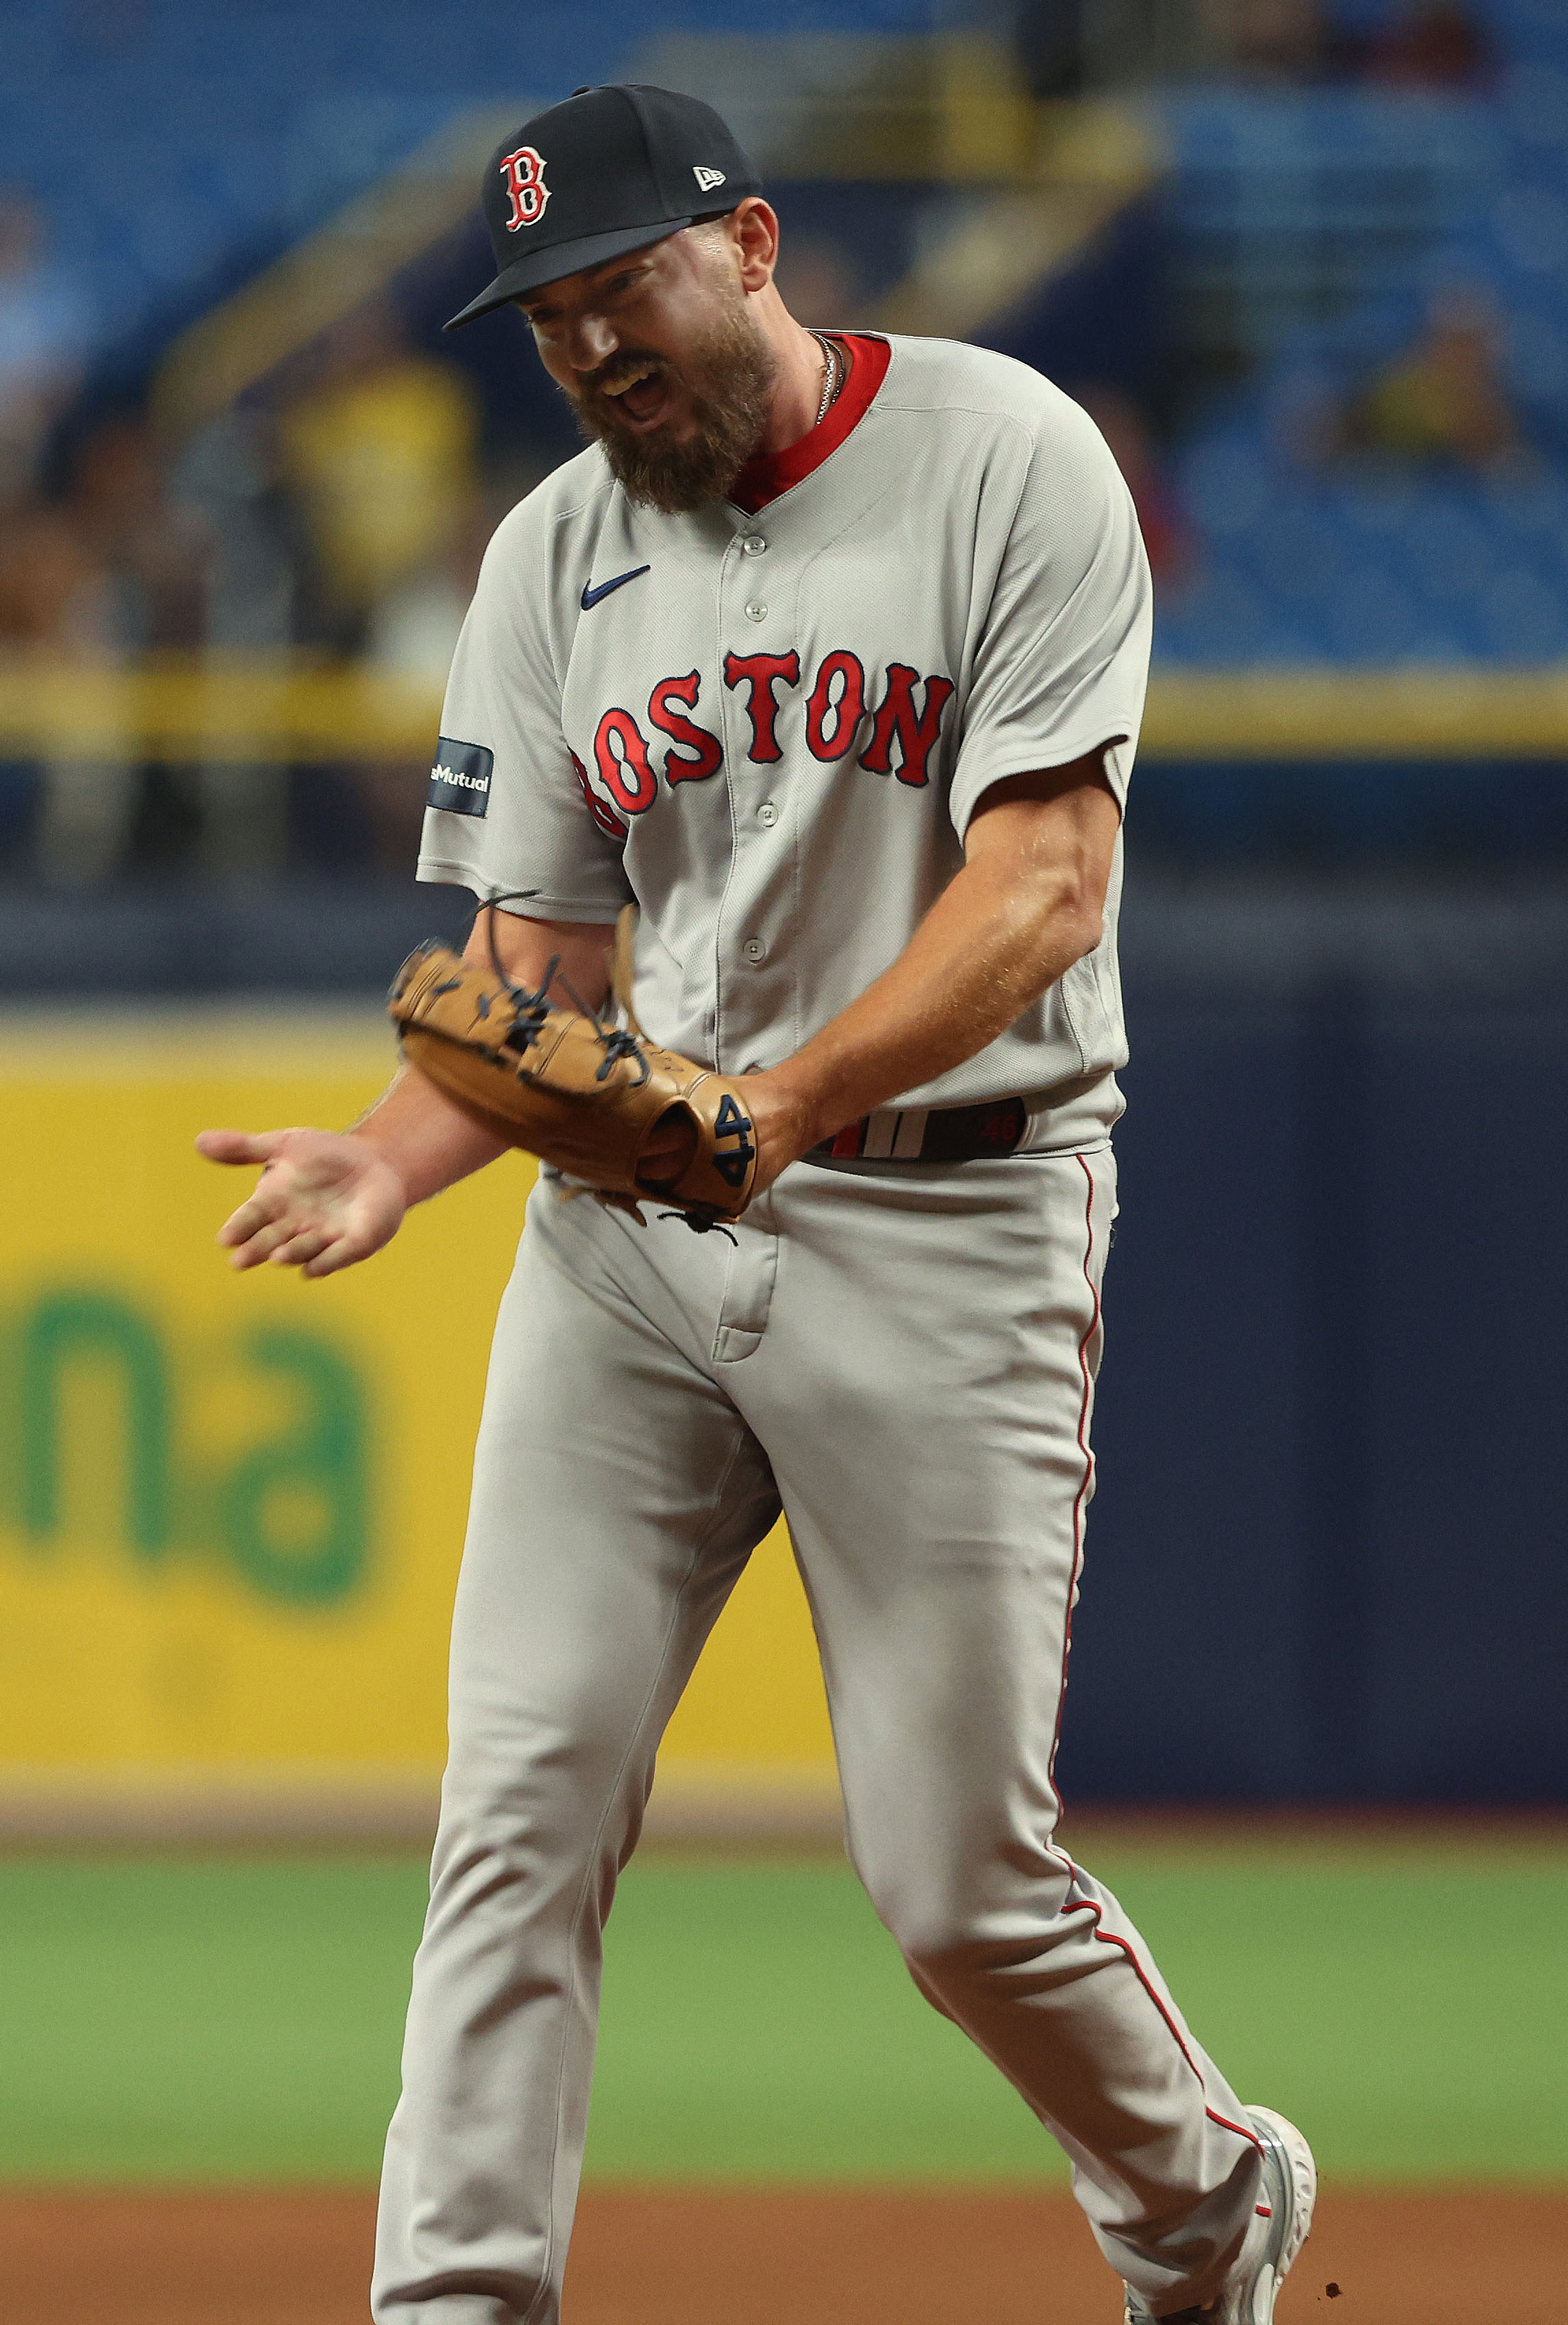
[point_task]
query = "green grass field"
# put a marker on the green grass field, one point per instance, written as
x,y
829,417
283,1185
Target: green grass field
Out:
x,y
222,2019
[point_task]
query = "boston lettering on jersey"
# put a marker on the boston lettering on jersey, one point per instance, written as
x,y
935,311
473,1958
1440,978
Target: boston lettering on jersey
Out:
x,y
903,727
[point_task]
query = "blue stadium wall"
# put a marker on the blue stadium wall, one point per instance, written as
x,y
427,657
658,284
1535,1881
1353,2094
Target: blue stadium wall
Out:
x,y
1326,1560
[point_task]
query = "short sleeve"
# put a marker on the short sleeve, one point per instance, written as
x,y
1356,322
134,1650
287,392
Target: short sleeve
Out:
x,y
1061,665
507,810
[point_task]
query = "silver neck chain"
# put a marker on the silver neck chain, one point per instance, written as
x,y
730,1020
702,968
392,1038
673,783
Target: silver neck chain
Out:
x,y
832,374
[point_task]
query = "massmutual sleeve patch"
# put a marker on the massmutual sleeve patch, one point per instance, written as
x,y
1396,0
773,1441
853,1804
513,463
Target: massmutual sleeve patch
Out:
x,y
460,780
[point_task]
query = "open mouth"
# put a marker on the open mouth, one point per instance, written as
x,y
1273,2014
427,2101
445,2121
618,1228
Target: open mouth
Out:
x,y
640,394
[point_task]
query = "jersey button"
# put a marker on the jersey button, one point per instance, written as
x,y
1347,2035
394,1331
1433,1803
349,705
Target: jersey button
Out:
x,y
755,949
767,815
754,544
757,611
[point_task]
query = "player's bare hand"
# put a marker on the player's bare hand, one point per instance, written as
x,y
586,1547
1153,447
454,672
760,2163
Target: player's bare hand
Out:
x,y
322,1202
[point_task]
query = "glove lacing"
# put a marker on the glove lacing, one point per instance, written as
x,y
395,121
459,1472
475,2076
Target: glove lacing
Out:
x,y
530,1011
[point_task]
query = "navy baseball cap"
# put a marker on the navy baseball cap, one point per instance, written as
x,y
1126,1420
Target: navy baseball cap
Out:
x,y
609,171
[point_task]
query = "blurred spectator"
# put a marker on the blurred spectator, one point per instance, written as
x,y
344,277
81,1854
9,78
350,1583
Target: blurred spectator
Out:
x,y
1438,45
57,608
818,281
413,635
1267,40
115,568
381,449
227,475
42,330
155,550
1445,400
1048,43
413,631
55,595
1167,537
155,553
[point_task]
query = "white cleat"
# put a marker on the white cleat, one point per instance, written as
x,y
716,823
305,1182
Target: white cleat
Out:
x,y
1290,2184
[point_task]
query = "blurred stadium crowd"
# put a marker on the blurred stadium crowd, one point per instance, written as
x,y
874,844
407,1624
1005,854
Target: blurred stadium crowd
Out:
x,y
343,514
1305,260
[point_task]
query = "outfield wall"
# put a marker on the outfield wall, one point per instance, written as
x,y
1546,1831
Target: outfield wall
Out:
x,y
1326,1560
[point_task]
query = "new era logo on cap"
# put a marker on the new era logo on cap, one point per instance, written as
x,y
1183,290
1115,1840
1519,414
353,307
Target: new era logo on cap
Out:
x,y
707,179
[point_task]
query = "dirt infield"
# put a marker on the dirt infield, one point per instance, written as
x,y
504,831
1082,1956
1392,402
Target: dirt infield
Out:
x,y
711,2258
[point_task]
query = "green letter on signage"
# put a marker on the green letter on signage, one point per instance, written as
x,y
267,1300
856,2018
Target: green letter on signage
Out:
x,y
67,1324
294,1513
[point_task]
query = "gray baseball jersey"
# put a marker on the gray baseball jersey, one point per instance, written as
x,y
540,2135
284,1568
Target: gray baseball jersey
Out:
x,y
770,730
769,723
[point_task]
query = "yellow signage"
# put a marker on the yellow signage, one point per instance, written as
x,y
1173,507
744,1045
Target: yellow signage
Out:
x,y
231,1507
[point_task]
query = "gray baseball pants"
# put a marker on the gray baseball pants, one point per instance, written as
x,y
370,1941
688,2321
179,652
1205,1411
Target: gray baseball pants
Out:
x,y
906,1362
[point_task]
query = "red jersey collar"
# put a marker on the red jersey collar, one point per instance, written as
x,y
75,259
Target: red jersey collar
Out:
x,y
772,473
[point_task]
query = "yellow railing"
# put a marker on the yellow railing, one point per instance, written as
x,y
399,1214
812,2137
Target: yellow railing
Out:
x,y
1410,713
255,710
229,709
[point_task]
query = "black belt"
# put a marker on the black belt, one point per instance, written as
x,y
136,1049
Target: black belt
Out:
x,y
938,1134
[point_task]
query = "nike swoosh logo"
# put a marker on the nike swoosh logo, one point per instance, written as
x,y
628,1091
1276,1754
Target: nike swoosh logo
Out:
x,y
591,596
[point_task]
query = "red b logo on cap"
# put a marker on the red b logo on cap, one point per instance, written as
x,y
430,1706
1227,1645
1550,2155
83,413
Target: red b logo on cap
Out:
x,y
523,172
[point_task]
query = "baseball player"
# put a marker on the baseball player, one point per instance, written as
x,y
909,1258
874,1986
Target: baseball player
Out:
x,y
828,653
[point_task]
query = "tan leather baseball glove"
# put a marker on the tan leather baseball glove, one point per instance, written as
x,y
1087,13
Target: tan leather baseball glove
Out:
x,y
579,1092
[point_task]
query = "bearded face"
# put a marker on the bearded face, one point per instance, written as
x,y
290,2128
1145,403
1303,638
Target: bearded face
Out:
x,y
678,429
